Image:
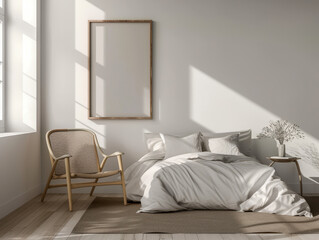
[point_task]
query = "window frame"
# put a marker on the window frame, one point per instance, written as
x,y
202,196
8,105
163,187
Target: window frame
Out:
x,y
2,94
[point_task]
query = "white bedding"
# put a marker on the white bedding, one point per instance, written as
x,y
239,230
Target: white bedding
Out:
x,y
205,180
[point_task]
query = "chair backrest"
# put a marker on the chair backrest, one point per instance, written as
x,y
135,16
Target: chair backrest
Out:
x,y
80,143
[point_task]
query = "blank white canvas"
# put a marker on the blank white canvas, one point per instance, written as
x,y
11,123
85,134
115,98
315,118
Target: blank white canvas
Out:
x,y
120,69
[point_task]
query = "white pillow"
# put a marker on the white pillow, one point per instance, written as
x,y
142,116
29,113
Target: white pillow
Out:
x,y
224,145
154,142
175,145
244,140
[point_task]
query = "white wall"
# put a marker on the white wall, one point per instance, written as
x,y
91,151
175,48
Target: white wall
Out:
x,y
20,170
219,65
20,163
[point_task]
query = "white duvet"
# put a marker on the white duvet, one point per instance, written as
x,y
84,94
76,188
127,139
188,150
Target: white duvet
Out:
x,y
205,180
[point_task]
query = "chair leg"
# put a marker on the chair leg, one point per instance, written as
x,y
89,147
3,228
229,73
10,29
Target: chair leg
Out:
x,y
48,184
68,182
300,176
119,160
124,188
93,188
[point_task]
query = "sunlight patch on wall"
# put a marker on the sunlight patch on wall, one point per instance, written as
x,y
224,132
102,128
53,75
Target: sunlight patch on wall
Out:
x,y
84,11
81,85
98,91
81,121
100,41
29,56
29,82
29,12
219,108
29,86
29,107
81,102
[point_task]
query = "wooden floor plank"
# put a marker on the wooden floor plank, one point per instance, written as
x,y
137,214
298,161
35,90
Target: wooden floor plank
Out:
x,y
48,228
180,236
114,236
19,216
279,237
53,225
191,236
309,236
239,236
75,237
209,237
31,219
152,236
138,236
52,220
253,237
165,237
70,221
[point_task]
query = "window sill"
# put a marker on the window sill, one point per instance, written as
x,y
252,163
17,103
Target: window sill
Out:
x,y
11,134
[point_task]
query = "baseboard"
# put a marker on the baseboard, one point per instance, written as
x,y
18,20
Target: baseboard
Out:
x,y
18,201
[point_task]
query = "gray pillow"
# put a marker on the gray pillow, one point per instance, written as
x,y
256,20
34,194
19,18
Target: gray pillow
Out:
x,y
223,145
244,140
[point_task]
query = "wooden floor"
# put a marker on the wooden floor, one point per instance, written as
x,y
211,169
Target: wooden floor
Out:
x,y
52,220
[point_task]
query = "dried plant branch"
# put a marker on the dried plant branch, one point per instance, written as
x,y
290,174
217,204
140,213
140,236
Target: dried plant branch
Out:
x,y
282,131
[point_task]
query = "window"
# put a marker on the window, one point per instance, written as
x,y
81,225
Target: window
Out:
x,y
2,93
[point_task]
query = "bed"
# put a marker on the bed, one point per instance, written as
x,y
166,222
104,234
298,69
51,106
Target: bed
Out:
x,y
197,172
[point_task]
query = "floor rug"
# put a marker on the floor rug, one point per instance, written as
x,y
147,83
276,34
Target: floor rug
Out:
x,y
109,215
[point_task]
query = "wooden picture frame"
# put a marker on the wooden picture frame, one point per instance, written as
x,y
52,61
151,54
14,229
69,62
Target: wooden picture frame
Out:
x,y
142,31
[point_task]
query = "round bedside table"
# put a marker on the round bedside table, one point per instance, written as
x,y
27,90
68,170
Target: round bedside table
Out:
x,y
287,160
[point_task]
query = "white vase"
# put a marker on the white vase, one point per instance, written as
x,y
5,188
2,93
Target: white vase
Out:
x,y
281,150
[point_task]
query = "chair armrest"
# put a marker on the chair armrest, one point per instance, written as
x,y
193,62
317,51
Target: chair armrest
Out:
x,y
115,154
62,157
57,159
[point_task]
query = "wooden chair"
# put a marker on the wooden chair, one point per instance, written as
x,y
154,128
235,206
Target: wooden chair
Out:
x,y
74,154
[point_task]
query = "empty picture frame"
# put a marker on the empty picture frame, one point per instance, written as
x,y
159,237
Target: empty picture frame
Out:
x,y
120,69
